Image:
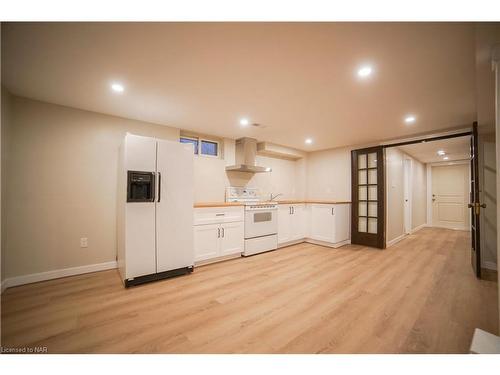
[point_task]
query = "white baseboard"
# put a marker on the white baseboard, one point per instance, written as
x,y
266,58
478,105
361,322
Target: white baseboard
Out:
x,y
328,244
56,274
489,265
290,243
418,228
395,241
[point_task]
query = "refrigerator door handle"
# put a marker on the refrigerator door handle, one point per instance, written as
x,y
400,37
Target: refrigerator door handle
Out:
x,y
159,186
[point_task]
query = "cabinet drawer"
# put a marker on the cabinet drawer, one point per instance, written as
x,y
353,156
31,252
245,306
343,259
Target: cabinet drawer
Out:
x,y
217,215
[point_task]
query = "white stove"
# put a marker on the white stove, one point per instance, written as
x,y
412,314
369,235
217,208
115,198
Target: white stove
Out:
x,y
261,220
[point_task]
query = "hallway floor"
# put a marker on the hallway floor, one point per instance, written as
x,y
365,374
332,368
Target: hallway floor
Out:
x,y
419,296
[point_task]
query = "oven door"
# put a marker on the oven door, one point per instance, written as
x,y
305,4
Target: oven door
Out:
x,y
261,223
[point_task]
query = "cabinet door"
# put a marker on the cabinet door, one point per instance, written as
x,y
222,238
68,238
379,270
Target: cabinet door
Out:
x,y
232,238
284,223
298,222
322,223
341,222
206,241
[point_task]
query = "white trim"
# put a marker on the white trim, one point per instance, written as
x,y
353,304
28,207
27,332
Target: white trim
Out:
x,y
328,244
489,265
290,243
416,229
56,274
395,241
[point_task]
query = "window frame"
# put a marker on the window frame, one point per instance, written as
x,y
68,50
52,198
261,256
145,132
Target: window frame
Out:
x,y
200,140
197,139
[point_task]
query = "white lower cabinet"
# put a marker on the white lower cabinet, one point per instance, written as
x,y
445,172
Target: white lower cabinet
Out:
x,y
322,226
206,241
284,223
232,238
291,222
328,223
219,239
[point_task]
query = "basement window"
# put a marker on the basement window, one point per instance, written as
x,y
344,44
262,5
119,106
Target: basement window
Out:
x,y
209,148
202,146
193,141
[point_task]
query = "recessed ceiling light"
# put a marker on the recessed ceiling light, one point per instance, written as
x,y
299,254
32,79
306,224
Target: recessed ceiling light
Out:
x,y
365,71
446,158
244,122
441,152
410,119
117,87
309,141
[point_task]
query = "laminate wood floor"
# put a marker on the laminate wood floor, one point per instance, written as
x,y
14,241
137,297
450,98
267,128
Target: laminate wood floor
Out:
x,y
419,296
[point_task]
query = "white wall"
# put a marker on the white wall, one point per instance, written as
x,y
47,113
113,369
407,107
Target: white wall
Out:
x,y
60,185
329,174
394,162
5,124
395,193
61,165
419,194
211,178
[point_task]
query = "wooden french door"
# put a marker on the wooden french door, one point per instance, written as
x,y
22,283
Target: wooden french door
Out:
x,y
475,205
368,197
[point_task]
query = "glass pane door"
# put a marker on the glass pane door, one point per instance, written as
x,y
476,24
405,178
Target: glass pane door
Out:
x,y
367,224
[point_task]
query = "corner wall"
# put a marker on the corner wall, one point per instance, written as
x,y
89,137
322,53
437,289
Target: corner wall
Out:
x,y
395,189
60,185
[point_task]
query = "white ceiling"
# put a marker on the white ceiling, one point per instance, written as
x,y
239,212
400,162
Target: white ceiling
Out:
x,y
455,148
297,79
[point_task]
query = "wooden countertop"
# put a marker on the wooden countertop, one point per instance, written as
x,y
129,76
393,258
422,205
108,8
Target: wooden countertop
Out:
x,y
230,204
315,201
216,204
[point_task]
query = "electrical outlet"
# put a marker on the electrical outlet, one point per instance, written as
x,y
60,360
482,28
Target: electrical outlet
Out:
x,y
84,242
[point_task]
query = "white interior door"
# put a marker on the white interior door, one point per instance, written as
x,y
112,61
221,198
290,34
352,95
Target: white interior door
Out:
x,y
407,195
174,206
450,196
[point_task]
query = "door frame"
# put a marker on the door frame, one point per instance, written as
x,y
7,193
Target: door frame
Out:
x,y
383,217
407,193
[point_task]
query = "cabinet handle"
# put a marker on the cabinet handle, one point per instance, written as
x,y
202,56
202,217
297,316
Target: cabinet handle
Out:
x,y
290,210
332,210
222,232
218,232
293,210
159,187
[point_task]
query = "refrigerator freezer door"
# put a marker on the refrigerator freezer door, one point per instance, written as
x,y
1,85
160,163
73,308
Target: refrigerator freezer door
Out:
x,y
174,211
140,251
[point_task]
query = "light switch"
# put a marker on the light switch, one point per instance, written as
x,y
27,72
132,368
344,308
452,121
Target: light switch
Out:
x,y
84,242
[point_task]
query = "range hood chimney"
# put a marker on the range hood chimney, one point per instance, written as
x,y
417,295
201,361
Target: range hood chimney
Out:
x,y
246,150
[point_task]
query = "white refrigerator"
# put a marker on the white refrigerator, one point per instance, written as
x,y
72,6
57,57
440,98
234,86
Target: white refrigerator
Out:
x,y
154,209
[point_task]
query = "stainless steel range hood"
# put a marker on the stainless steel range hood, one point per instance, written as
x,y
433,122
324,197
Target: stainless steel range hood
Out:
x,y
246,150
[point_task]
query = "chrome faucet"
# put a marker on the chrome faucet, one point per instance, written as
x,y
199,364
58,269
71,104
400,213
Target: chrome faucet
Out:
x,y
273,197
